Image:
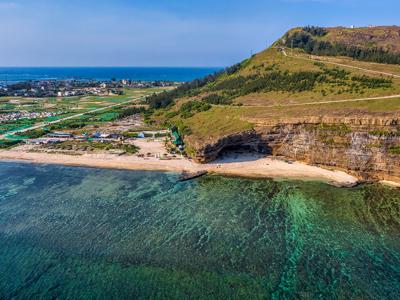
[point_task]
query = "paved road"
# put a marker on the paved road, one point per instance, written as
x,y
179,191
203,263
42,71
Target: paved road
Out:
x,y
44,124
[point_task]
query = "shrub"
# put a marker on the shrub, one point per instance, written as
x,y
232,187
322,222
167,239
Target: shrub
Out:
x,y
304,40
216,99
5,144
315,30
131,111
33,134
188,109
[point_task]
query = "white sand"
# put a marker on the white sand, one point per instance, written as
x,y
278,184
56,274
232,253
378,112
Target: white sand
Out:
x,y
390,183
239,165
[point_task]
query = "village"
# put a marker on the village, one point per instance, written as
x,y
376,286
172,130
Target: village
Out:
x,y
127,136
71,88
23,114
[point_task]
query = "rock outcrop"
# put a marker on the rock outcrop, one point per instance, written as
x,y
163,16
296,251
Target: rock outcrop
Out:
x,y
366,147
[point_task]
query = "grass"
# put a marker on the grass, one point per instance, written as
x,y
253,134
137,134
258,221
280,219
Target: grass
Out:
x,y
93,146
272,60
214,123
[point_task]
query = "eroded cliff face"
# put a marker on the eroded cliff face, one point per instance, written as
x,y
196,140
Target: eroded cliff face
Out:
x,y
368,148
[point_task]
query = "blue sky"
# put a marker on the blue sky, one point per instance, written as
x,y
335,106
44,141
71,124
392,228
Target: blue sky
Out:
x,y
165,32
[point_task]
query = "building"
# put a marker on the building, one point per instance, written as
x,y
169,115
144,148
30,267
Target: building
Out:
x,y
60,135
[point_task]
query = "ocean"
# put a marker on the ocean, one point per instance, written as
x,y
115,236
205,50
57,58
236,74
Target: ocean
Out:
x,y
81,233
17,74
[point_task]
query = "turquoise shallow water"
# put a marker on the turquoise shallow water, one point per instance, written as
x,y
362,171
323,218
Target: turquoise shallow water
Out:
x,y
78,233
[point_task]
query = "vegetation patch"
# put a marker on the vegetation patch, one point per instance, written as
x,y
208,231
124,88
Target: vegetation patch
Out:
x,y
384,133
7,144
188,109
216,99
394,150
131,111
308,40
189,89
93,146
33,134
336,129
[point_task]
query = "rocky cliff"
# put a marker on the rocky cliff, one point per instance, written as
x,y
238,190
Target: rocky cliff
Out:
x,y
366,147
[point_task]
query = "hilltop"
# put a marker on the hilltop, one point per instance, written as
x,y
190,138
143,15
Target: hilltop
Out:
x,y
378,44
280,82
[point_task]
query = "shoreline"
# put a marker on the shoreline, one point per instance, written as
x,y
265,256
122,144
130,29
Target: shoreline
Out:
x,y
252,166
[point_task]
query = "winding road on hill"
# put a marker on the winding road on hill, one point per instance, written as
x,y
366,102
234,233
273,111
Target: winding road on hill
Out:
x,y
44,124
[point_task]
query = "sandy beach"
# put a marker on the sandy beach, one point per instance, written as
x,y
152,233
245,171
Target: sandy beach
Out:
x,y
247,165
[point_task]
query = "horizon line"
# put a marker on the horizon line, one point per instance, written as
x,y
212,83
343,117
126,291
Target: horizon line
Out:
x,y
181,67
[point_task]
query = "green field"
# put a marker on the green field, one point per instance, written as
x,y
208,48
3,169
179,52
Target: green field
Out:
x,y
66,107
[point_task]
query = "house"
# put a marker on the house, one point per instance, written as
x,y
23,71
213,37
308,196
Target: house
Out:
x,y
60,135
96,135
176,137
104,135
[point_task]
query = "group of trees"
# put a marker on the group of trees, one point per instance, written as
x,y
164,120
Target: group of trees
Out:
x,y
342,77
26,85
372,82
296,82
191,88
5,144
315,30
305,40
216,99
272,81
188,109
131,111
34,133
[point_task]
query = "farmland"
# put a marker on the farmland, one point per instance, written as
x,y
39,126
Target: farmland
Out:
x,y
90,110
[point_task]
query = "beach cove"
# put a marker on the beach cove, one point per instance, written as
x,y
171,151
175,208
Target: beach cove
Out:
x,y
246,165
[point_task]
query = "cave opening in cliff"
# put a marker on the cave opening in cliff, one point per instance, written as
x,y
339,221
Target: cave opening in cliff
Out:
x,y
243,152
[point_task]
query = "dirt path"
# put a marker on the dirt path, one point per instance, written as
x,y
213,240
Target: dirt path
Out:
x,y
342,65
334,101
329,101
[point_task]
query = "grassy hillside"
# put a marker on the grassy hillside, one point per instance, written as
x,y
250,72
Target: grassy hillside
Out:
x,y
274,85
377,44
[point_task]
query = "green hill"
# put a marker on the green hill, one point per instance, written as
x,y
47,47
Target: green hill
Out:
x,y
281,82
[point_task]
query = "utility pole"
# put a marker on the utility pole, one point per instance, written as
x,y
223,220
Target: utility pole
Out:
x,y
292,47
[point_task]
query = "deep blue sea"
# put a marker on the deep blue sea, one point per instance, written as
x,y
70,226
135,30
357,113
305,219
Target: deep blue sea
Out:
x,y
16,74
